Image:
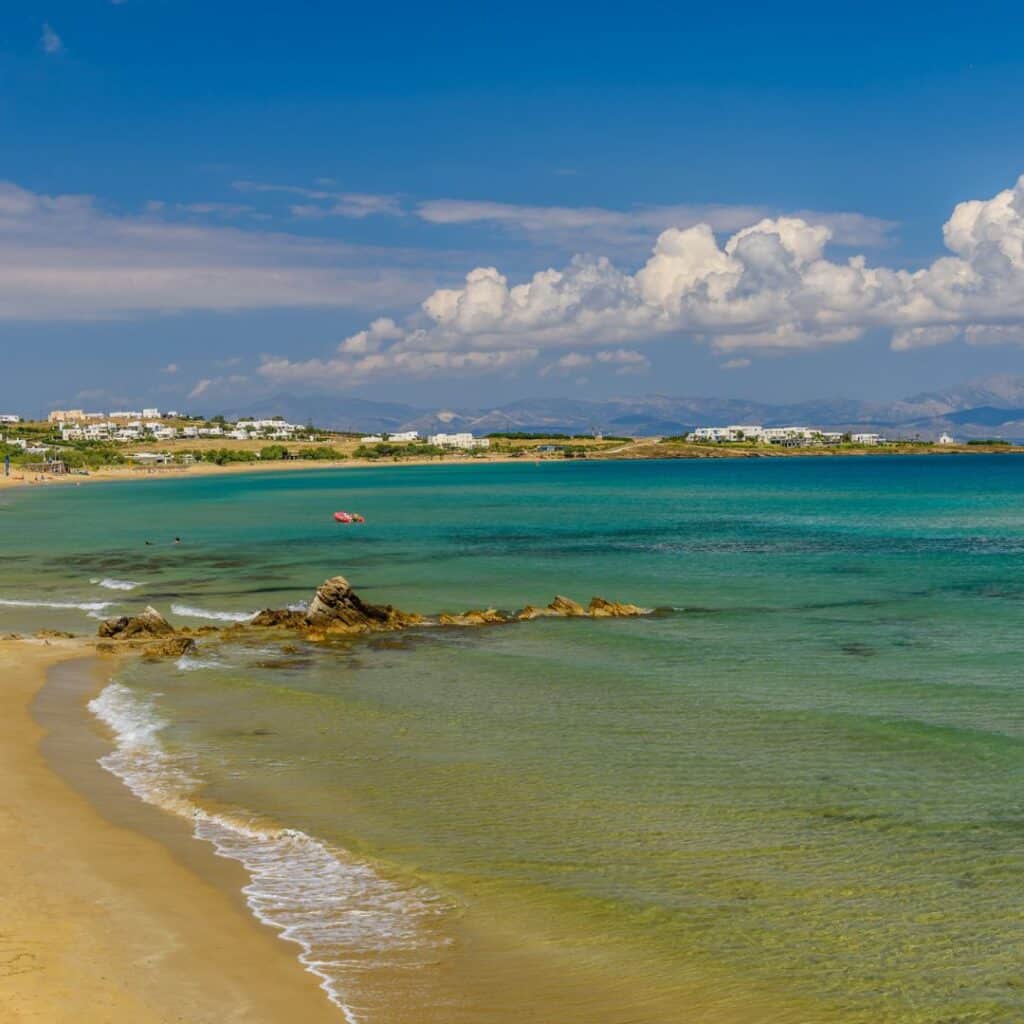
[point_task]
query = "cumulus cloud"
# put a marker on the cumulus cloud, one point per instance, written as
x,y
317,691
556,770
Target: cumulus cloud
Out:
x,y
65,257
170,368
50,41
769,286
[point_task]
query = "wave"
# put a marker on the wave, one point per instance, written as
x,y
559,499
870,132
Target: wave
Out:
x,y
112,584
189,612
339,911
84,606
190,663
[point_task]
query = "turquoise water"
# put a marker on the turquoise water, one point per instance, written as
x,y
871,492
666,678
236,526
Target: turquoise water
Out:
x,y
795,793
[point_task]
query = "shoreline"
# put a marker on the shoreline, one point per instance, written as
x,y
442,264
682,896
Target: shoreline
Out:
x,y
639,451
111,911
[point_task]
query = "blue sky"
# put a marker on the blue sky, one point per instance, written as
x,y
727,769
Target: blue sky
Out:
x,y
206,203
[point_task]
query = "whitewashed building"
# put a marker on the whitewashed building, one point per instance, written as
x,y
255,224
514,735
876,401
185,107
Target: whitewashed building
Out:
x,y
405,436
371,439
946,439
867,438
465,441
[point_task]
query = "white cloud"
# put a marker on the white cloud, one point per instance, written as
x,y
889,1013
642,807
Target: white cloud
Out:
x,y
64,257
330,203
50,41
769,287
736,364
625,360
171,368
201,387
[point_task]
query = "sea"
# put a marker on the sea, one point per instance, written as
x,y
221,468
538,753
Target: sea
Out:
x,y
791,794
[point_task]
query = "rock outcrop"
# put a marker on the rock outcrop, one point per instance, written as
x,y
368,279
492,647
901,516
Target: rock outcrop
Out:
x,y
335,609
565,606
599,608
283,618
144,626
338,608
474,617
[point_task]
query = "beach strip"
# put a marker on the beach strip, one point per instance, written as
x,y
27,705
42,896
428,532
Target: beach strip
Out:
x,y
99,921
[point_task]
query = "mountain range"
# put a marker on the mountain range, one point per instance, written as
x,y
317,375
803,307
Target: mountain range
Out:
x,y
992,407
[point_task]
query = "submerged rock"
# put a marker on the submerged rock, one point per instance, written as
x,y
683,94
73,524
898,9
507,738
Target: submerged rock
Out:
x,y
149,623
281,617
171,647
474,617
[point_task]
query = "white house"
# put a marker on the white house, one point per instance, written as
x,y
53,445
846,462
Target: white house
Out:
x,y
10,418
464,441
946,439
735,432
866,438
151,414
371,439
405,436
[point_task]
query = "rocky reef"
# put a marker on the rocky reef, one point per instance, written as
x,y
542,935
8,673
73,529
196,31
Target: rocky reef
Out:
x,y
336,609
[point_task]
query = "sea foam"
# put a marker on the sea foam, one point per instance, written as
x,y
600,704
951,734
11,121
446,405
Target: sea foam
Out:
x,y
339,911
112,584
85,606
189,612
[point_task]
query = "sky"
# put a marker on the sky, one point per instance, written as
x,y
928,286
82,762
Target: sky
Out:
x,y
209,204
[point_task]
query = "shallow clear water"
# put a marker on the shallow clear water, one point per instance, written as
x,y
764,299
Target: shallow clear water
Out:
x,y
796,793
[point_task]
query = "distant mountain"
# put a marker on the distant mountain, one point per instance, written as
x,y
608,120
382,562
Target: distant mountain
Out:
x,y
984,408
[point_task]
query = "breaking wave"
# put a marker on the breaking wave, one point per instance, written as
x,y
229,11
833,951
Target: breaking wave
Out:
x,y
189,612
112,584
84,606
339,911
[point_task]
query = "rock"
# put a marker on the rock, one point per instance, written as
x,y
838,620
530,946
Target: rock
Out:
x,y
281,617
149,623
601,609
528,613
337,608
474,617
54,634
565,606
171,647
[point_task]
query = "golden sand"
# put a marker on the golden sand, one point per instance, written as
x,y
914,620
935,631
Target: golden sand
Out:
x,y
101,923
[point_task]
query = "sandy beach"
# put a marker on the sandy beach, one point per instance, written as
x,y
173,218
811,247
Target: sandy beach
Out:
x,y
102,922
642,449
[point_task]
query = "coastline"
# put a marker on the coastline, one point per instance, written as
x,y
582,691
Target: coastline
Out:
x,y
640,451
102,920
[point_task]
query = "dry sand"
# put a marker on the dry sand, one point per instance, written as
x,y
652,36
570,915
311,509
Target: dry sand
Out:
x,y
101,922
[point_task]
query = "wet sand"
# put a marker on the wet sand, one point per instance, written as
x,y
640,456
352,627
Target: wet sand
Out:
x,y
115,915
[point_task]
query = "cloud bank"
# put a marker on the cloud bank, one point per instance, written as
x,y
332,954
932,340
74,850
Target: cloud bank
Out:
x,y
769,286
65,258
